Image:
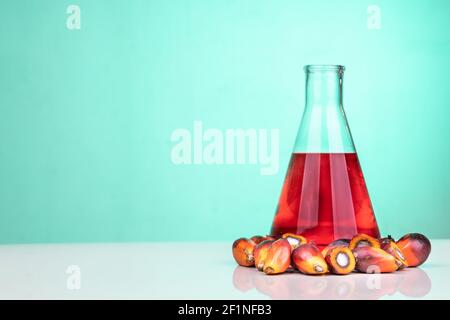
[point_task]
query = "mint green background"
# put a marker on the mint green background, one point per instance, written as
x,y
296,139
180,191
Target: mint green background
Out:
x,y
86,116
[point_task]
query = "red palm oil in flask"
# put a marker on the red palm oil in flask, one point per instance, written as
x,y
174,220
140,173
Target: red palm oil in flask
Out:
x,y
324,196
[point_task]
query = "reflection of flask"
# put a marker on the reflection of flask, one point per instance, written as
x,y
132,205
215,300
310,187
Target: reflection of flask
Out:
x,y
324,195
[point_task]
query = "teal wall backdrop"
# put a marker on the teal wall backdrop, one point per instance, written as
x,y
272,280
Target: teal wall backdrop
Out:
x,y
86,116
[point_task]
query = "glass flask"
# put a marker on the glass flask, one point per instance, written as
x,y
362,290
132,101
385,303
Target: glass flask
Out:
x,y
324,196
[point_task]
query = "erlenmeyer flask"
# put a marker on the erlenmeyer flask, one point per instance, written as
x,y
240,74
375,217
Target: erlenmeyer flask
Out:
x,y
324,195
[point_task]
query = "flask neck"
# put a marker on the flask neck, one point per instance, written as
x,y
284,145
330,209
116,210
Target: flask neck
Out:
x,y
324,127
324,88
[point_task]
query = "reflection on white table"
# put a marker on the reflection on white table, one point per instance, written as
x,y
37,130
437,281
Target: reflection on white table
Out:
x,y
194,271
413,283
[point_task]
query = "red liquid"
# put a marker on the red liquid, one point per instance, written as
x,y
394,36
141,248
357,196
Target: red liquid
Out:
x,y
324,198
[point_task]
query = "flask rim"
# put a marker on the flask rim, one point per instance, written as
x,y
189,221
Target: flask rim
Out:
x,y
324,68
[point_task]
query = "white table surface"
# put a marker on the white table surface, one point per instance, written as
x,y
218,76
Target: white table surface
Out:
x,y
195,271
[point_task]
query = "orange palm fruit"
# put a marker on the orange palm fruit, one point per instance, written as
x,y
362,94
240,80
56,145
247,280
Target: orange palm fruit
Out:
x,y
308,259
259,239
374,260
388,244
363,240
340,260
243,252
260,253
334,244
294,239
415,247
278,257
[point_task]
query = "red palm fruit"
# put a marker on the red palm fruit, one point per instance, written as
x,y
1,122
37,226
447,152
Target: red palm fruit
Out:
x,y
374,260
243,252
294,239
278,257
340,260
388,244
308,259
363,240
260,253
415,247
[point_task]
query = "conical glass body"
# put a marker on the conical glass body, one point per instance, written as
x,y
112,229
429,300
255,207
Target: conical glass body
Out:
x,y
324,196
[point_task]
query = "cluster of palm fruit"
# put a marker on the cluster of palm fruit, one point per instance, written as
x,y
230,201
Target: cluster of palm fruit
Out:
x,y
362,253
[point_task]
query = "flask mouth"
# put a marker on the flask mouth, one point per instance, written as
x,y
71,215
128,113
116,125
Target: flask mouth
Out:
x,y
324,68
